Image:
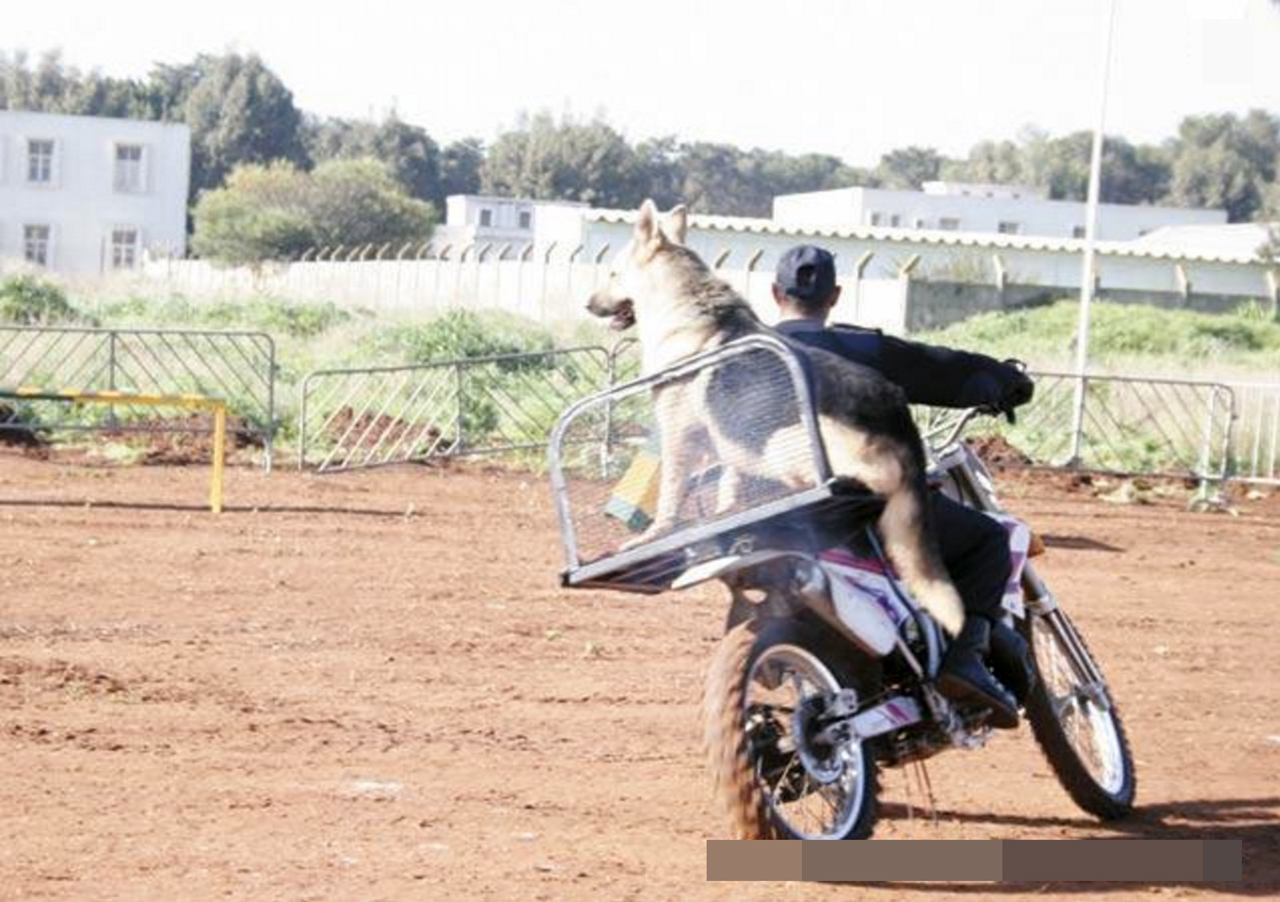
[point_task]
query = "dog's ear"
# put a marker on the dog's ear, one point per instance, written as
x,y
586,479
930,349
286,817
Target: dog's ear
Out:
x,y
676,224
647,224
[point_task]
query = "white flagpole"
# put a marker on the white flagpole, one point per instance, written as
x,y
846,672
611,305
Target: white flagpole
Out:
x,y
1090,235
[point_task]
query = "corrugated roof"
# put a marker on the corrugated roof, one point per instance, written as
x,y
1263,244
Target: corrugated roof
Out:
x,y
756,226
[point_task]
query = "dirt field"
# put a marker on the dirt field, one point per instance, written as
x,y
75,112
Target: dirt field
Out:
x,y
371,687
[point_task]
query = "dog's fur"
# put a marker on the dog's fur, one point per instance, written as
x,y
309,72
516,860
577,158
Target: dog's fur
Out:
x,y
681,309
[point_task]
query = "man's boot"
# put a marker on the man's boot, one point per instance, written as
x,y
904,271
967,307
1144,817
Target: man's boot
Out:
x,y
1011,661
964,676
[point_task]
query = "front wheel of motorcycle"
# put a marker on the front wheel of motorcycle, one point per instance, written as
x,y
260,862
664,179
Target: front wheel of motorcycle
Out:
x,y
767,687
1075,721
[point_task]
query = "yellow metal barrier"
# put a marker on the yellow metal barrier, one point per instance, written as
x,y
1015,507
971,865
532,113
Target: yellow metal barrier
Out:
x,y
197,402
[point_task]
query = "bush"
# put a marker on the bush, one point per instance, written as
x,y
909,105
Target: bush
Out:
x,y
458,334
259,215
30,301
277,211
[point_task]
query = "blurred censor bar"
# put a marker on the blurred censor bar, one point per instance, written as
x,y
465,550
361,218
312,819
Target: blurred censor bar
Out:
x,y
992,860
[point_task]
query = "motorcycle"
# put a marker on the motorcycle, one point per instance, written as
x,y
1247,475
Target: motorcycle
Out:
x,y
826,671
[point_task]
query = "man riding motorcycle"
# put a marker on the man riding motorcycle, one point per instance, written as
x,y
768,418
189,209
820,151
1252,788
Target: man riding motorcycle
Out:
x,y
975,547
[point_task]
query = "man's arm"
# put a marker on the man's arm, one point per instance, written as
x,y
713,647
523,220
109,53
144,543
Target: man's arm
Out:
x,y
945,377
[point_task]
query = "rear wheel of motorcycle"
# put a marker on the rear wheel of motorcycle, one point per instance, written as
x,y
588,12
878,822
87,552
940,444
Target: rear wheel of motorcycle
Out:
x,y
764,682
1078,728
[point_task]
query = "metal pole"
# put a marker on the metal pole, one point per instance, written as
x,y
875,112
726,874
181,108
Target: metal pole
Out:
x,y
1090,235
111,377
459,410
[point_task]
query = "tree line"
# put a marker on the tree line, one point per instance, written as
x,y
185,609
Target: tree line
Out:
x,y
298,165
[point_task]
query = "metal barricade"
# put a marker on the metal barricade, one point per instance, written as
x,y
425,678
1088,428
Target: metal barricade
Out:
x,y
1132,426
1256,445
355,418
239,367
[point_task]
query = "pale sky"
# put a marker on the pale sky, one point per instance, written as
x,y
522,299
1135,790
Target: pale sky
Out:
x,y
853,78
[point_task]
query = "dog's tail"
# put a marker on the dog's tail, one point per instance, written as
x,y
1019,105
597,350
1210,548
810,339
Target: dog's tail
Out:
x,y
914,551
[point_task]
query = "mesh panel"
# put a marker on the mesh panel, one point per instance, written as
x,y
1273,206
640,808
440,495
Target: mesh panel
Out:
x,y
751,455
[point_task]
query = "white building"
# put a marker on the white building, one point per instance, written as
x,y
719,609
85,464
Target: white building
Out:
x,y
867,256
963,207
507,225
87,194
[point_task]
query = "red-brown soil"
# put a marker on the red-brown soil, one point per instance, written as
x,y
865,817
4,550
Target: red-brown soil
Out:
x,y
371,686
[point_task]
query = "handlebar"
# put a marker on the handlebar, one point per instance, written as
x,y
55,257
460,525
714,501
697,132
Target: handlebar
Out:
x,y
952,431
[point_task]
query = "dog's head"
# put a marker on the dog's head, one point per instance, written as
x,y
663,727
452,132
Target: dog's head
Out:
x,y
632,277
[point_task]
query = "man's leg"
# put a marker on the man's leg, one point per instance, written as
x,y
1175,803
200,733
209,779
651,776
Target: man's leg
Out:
x,y
975,550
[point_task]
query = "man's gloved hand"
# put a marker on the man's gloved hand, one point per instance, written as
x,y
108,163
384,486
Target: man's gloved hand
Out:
x,y
1018,389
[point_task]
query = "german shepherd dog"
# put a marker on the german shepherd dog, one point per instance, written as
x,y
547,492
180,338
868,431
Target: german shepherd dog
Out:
x,y
681,309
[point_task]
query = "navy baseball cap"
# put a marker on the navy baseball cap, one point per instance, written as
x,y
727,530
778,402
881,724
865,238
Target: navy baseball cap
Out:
x,y
807,273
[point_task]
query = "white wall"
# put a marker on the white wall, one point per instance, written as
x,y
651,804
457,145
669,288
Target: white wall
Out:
x,y
1034,215
81,203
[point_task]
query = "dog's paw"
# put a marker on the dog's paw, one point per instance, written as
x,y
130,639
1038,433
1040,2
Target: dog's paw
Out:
x,y
653,532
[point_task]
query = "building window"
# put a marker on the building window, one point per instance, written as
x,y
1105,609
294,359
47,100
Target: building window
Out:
x,y
895,220
920,223
128,168
526,220
1077,231
40,161
124,248
35,243
1007,228
486,218
948,223
875,219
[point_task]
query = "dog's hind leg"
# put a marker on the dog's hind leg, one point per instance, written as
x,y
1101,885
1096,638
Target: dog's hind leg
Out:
x,y
904,525
728,488
914,551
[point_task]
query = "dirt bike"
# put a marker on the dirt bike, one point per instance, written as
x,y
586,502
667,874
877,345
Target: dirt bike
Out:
x,y
826,670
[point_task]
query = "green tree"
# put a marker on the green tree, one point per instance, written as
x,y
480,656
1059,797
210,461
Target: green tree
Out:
x,y
52,87
661,170
17,90
909,167
169,87
460,166
261,214
1225,162
239,111
1130,174
276,211
713,182
359,202
994,162
567,160
408,151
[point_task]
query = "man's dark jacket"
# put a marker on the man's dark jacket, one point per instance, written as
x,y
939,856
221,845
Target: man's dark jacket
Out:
x,y
940,377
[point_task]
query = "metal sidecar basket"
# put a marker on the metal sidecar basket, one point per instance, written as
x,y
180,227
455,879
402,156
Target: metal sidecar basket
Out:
x,y
605,461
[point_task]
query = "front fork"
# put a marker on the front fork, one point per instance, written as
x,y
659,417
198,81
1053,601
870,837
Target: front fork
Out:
x,y
1042,604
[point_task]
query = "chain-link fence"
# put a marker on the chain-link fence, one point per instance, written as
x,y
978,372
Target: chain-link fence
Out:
x,y
354,418
236,367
